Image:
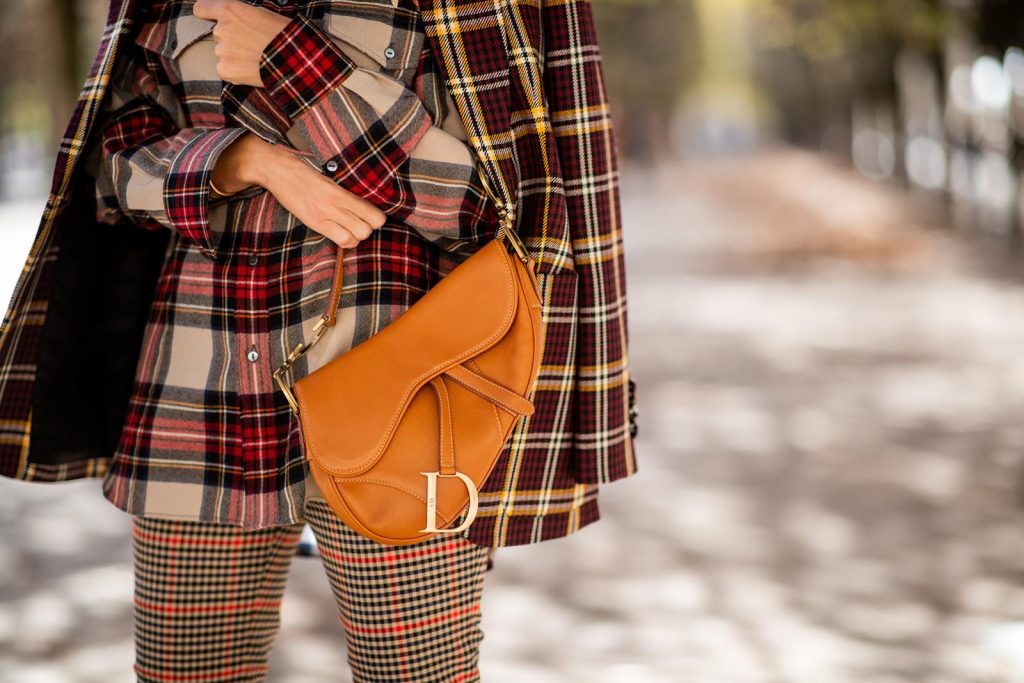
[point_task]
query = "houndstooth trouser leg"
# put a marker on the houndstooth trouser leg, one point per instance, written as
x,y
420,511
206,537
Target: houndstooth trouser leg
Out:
x,y
208,596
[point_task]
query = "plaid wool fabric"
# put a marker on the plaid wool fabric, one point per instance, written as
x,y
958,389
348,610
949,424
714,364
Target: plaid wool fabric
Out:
x,y
207,601
534,114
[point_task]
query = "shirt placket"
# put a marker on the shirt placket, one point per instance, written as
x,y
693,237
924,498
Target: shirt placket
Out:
x,y
253,349
253,341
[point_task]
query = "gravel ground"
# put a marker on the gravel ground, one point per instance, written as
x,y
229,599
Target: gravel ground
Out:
x,y
830,485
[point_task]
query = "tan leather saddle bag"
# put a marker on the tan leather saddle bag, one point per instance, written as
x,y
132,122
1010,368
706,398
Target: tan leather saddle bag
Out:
x,y
402,430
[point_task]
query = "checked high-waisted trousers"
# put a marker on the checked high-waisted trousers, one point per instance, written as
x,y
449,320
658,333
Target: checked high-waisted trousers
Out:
x,y
208,596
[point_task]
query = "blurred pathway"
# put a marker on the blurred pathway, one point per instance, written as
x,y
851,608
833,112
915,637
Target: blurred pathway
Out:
x,y
830,486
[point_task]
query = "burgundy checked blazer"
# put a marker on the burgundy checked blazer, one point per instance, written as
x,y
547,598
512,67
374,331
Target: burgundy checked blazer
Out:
x,y
527,82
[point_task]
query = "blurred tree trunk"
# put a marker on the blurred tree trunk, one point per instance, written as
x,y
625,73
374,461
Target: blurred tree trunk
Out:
x,y
63,40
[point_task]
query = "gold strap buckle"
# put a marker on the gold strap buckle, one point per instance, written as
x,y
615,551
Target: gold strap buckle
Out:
x,y
505,230
300,349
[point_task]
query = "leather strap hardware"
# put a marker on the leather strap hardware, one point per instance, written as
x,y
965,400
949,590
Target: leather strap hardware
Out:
x,y
282,375
300,349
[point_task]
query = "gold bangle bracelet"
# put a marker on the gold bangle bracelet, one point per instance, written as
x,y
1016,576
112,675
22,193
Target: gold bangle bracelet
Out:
x,y
217,189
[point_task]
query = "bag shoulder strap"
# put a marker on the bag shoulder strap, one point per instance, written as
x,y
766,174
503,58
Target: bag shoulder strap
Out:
x,y
505,231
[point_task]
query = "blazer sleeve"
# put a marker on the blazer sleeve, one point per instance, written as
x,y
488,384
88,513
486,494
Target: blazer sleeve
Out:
x,y
152,170
374,137
585,139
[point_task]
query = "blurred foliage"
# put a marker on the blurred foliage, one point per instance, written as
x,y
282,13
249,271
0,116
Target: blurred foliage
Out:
x,y
809,59
824,32
815,59
649,54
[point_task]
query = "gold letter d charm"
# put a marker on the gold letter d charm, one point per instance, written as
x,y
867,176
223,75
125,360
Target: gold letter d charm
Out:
x,y
432,503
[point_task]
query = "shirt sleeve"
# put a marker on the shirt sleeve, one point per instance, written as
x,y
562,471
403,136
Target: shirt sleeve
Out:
x,y
152,170
374,137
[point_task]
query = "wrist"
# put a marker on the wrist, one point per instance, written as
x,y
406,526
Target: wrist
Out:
x,y
274,162
242,164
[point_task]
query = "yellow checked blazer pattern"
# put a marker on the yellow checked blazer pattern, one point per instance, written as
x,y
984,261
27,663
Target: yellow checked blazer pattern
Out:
x,y
525,79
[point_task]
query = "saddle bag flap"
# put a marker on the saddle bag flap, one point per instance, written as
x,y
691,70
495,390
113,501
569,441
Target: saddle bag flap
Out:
x,y
468,311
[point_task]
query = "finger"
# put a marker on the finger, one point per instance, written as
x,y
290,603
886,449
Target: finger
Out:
x,y
208,9
360,206
354,224
364,209
375,217
339,234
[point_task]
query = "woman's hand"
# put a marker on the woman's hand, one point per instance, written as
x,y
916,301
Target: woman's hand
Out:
x,y
242,32
315,200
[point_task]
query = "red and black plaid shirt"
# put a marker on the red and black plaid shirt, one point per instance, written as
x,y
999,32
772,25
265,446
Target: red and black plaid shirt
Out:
x,y
208,433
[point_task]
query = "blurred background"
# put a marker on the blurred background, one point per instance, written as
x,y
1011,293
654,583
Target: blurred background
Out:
x,y
823,216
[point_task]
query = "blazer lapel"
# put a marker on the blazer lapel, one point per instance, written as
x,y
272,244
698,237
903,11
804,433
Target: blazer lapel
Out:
x,y
467,40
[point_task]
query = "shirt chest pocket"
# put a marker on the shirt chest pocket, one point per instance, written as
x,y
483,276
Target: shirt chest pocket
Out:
x,y
186,41
377,35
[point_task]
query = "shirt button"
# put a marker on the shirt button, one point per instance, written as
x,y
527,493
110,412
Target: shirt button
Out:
x,y
331,165
253,355
389,53
253,259
281,3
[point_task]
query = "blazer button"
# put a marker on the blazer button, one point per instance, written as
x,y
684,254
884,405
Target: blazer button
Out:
x,y
253,355
331,166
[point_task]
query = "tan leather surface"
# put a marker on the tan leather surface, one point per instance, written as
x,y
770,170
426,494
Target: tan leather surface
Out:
x,y
438,389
